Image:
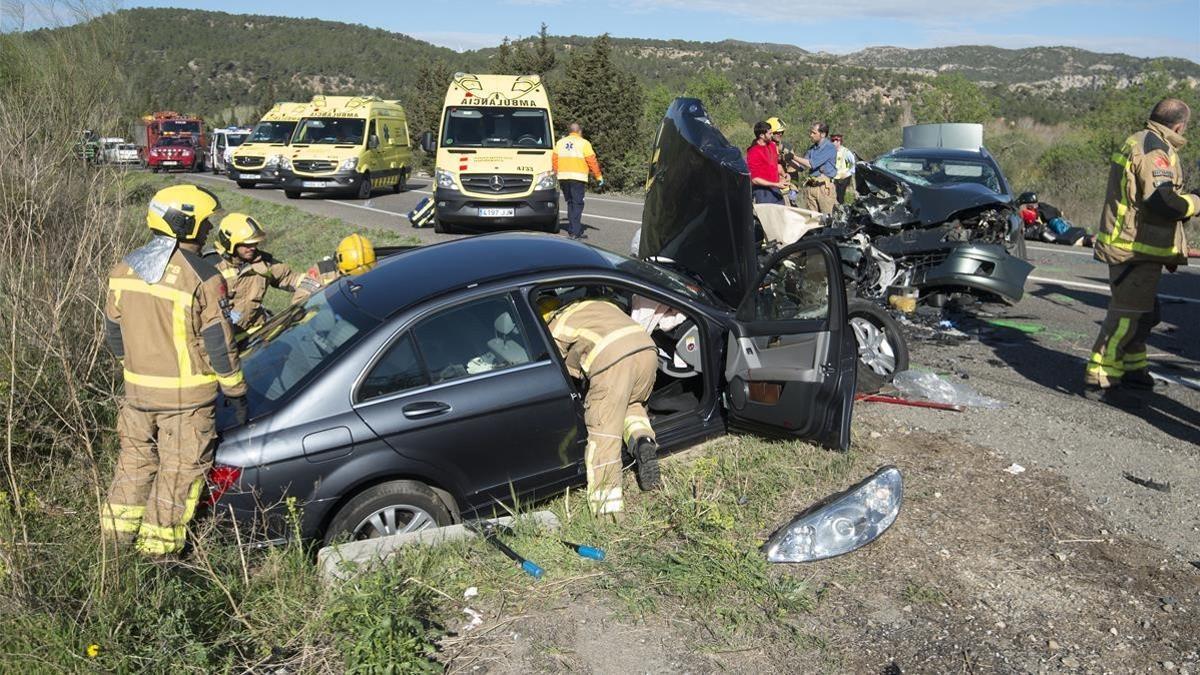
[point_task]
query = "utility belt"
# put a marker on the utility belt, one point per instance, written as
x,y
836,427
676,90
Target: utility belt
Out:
x,y
817,181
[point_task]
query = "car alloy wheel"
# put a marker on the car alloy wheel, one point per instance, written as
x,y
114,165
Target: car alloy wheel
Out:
x,y
873,347
393,519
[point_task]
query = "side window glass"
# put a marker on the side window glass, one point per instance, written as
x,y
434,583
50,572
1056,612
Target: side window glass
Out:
x,y
796,288
398,370
478,337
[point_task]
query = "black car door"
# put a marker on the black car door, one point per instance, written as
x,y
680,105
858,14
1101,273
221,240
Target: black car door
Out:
x,y
791,362
472,390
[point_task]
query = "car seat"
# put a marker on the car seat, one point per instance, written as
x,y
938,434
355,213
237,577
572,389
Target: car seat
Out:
x,y
506,344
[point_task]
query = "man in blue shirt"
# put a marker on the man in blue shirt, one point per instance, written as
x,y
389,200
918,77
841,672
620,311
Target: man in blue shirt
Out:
x,y
820,163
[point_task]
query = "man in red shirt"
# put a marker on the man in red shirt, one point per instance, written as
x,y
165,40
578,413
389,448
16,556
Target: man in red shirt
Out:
x,y
762,157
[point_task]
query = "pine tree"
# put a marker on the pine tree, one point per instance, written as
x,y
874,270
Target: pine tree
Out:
x,y
424,105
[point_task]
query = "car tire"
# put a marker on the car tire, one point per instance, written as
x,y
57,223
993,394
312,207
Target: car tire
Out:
x,y
1017,248
442,227
365,187
388,508
882,349
401,182
292,194
550,226
246,184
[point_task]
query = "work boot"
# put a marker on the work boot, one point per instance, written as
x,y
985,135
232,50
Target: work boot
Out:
x,y
645,451
1139,379
1113,396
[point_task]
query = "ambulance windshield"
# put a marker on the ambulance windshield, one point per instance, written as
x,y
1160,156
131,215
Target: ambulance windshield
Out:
x,y
330,131
496,127
272,132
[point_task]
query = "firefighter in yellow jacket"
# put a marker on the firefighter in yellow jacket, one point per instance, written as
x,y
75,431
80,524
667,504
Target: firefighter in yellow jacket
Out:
x,y
572,159
601,344
355,255
248,271
166,321
1141,231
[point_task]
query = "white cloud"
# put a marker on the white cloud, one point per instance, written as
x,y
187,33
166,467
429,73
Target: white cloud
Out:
x,y
458,40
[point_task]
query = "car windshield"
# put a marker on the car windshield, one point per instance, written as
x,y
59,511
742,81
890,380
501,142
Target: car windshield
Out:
x,y
272,132
287,353
488,127
180,127
657,275
234,140
173,142
330,131
127,146
937,171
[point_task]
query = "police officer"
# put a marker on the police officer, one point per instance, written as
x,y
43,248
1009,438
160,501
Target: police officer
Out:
x,y
355,254
248,271
601,344
819,163
1141,230
166,321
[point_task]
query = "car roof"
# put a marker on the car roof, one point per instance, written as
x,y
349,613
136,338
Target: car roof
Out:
x,y
938,153
406,278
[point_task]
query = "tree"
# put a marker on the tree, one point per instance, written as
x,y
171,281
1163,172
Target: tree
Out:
x,y
607,101
719,97
521,59
425,104
951,98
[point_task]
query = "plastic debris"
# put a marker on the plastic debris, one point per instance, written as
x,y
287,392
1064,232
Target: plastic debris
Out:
x,y
1015,469
471,592
1147,483
1024,327
931,387
475,622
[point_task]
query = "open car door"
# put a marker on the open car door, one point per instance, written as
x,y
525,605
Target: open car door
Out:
x,y
791,362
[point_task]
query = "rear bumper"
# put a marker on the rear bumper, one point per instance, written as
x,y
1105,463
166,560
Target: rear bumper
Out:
x,y
452,206
982,267
339,182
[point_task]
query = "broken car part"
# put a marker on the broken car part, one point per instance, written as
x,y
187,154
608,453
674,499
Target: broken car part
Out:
x,y
1147,483
840,523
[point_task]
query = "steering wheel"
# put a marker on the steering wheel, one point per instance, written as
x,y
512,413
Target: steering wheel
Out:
x,y
526,139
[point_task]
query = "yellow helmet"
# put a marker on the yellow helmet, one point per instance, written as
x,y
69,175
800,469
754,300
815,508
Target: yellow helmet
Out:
x,y
180,211
777,125
355,255
548,305
237,229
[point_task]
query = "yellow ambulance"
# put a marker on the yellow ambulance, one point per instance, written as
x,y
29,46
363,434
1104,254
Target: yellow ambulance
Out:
x,y
494,148
348,144
256,160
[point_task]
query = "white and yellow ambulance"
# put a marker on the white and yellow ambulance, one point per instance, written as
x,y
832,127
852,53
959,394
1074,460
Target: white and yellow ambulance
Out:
x,y
256,160
494,149
348,144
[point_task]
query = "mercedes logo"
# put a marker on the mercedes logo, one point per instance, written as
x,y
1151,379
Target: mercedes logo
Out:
x,y
497,183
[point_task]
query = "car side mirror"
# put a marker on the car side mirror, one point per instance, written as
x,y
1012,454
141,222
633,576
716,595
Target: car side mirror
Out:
x,y
427,143
372,142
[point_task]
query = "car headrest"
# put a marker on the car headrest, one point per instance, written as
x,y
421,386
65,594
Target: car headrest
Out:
x,y
504,324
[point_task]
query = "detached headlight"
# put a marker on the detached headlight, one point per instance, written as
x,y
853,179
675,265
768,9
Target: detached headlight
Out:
x,y
545,181
841,523
349,164
445,180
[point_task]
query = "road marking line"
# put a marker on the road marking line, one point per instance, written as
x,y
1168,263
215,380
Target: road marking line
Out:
x,y
1098,287
365,208
1062,249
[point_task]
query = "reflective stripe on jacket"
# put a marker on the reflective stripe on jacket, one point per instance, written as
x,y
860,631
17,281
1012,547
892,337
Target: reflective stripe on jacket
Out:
x,y
173,337
844,163
594,334
573,157
1144,207
246,284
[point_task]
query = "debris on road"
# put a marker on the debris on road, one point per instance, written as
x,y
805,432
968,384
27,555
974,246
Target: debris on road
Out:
x,y
1015,469
1147,483
931,387
1024,327
896,400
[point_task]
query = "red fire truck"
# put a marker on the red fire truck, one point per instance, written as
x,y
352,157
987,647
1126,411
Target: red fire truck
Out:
x,y
151,129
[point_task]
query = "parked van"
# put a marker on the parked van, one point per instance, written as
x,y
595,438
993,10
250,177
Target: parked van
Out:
x,y
256,160
348,144
494,149
222,143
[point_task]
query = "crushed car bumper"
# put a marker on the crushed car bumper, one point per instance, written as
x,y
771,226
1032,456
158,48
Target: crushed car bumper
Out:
x,y
982,267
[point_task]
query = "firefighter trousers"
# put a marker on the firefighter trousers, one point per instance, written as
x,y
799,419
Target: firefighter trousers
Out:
x,y
1132,313
819,195
615,413
159,476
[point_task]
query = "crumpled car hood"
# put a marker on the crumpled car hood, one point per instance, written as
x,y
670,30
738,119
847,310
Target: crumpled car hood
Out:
x,y
893,202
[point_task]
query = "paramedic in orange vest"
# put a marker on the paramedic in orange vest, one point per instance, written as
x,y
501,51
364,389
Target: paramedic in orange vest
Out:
x,y
573,157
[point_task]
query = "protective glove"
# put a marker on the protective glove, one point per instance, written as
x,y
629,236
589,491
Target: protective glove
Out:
x,y
599,182
241,410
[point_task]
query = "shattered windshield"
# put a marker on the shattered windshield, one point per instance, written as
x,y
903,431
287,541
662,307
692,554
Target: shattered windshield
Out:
x,y
287,353
938,172
496,127
272,132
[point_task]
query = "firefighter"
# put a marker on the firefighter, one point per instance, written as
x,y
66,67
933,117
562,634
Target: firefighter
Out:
x,y
788,166
601,344
1141,231
248,271
165,320
355,254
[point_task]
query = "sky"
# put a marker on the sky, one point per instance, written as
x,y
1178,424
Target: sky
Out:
x,y
1137,27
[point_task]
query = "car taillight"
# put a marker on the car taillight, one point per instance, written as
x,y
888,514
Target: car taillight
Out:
x,y
220,478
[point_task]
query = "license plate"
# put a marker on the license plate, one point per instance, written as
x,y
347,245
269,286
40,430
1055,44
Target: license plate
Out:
x,y
250,176
170,163
314,183
497,213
